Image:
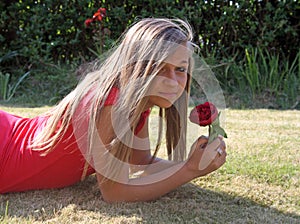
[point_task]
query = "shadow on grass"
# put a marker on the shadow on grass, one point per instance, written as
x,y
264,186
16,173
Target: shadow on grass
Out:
x,y
83,203
240,100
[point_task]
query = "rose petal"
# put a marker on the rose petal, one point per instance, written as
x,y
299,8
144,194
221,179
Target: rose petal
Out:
x,y
194,118
206,112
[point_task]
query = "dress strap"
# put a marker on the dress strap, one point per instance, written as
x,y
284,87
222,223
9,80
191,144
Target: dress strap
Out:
x,y
142,121
111,100
112,97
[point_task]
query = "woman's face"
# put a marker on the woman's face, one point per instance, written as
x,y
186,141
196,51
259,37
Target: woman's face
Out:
x,y
171,80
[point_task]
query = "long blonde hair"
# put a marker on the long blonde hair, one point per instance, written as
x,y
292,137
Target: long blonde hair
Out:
x,y
130,67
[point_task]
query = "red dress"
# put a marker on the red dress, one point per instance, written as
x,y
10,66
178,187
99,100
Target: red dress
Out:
x,y
22,168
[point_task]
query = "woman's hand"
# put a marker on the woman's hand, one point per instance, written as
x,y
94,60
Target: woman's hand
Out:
x,y
204,158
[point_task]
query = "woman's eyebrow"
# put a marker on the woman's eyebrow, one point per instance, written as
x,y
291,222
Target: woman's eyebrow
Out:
x,y
176,62
184,62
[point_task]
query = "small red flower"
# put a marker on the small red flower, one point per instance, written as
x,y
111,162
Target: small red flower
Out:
x,y
103,11
100,14
88,22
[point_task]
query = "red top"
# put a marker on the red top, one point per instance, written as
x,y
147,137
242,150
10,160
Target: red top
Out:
x,y
22,168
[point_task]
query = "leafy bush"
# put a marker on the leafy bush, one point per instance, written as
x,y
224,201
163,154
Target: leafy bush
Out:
x,y
52,32
7,86
262,79
7,90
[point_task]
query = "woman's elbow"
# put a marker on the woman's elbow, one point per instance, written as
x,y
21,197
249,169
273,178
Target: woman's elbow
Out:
x,y
113,192
109,194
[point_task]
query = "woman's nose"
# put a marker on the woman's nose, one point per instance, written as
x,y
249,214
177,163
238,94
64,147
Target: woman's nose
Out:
x,y
170,78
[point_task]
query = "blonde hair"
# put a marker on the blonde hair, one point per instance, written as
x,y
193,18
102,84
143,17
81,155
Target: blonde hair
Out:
x,y
130,67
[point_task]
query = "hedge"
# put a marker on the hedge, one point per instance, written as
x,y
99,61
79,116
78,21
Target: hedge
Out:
x,y
53,30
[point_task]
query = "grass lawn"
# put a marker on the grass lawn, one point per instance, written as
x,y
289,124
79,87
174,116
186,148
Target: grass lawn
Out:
x,y
260,183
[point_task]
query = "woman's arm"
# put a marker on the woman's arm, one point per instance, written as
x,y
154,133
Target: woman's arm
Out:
x,y
141,155
155,185
145,188
165,177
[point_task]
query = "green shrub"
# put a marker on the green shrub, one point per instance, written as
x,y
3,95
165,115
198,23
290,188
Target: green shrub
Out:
x,y
52,32
8,86
7,90
262,79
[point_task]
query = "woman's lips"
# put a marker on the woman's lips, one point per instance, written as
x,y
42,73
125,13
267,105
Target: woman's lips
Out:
x,y
168,95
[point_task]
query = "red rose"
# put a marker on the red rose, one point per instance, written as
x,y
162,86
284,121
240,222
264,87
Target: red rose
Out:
x,y
204,114
207,114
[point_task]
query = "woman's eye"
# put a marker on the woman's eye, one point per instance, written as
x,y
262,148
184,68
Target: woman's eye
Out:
x,y
181,69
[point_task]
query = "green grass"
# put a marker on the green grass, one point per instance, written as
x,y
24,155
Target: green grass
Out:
x,y
259,183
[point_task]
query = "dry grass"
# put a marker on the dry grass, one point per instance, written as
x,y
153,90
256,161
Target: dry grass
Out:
x,y
259,184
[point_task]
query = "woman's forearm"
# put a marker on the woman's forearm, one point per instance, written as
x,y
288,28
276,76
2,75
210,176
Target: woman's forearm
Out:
x,y
148,187
157,184
157,165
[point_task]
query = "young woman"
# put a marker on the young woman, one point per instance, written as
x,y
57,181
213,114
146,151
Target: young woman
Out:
x,y
102,125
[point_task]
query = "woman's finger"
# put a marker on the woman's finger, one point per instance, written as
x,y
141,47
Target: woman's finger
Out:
x,y
202,141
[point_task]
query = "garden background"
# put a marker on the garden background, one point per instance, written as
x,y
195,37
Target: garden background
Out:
x,y
253,49
252,46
